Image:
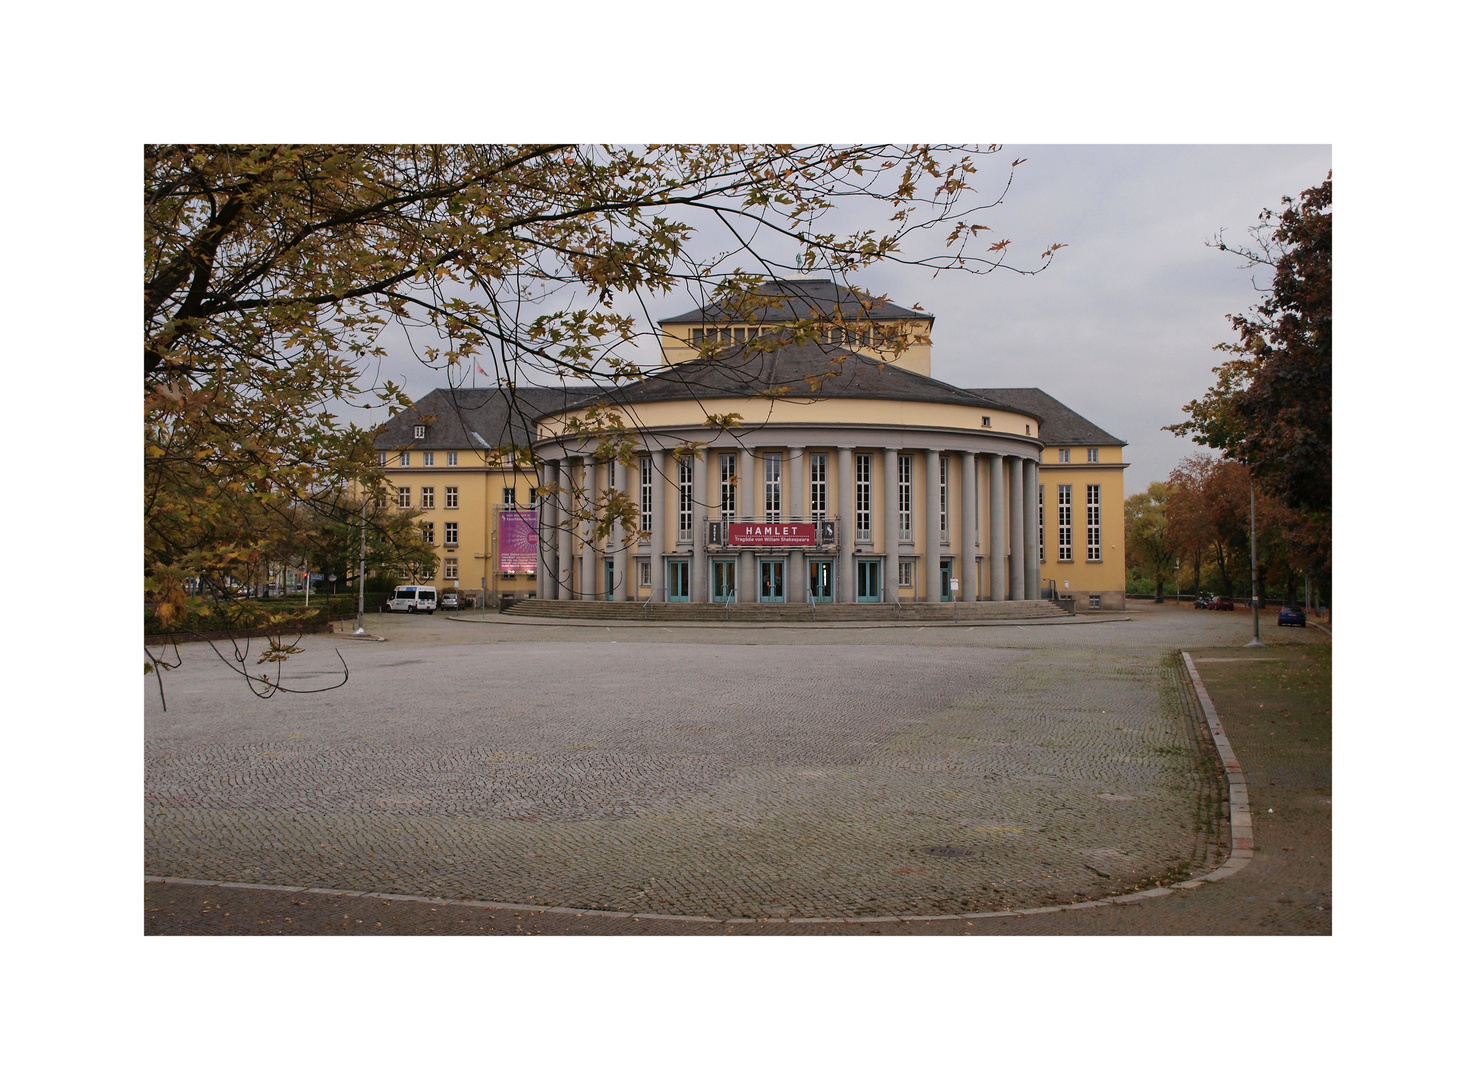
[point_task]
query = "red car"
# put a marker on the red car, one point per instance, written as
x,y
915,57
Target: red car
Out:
x,y
1221,603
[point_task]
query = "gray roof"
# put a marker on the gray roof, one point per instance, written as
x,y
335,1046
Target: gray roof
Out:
x,y
468,419
1059,426
808,371
804,298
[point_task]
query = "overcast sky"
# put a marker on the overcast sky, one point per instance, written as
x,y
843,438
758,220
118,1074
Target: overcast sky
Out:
x,y
1122,326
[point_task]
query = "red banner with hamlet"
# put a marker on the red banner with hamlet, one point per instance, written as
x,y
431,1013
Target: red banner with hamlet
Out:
x,y
770,534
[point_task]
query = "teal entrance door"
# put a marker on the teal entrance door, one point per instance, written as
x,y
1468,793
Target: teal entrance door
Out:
x,y
822,573
945,579
724,579
609,579
771,580
868,581
678,577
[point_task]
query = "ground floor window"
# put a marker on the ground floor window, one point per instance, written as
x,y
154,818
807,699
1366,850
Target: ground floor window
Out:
x,y
1063,522
1094,601
451,573
904,574
1094,522
644,572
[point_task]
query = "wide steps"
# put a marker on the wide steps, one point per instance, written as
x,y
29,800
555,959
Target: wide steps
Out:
x,y
983,611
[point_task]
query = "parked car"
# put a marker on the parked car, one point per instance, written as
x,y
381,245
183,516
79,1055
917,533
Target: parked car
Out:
x,y
1203,600
1291,615
1221,603
450,602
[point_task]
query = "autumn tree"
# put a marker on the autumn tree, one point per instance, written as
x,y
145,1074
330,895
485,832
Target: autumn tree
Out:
x,y
1271,405
1149,551
274,274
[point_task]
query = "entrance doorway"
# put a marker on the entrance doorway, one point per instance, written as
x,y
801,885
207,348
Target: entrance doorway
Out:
x,y
822,572
724,579
678,581
945,579
609,579
771,580
868,581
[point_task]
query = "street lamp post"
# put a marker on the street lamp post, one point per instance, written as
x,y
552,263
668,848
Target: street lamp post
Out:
x,y
359,630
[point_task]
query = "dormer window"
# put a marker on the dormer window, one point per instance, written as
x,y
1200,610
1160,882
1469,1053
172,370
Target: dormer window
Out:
x,y
420,431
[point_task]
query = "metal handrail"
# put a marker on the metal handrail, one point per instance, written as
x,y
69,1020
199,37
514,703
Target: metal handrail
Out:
x,y
646,606
810,597
896,600
728,599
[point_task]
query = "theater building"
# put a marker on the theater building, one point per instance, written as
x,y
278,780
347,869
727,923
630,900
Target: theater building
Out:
x,y
830,470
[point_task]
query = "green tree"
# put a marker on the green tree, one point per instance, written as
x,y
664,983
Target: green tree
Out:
x,y
1149,552
272,274
1271,405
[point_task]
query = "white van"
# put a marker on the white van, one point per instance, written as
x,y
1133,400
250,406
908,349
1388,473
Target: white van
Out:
x,y
413,598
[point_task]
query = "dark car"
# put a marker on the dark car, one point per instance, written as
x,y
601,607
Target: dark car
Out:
x,y
1221,603
1203,600
1291,615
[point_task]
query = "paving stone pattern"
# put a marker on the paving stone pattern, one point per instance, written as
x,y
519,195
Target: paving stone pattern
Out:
x,y
701,778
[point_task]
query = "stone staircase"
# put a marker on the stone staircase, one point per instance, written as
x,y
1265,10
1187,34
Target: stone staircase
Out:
x,y
985,611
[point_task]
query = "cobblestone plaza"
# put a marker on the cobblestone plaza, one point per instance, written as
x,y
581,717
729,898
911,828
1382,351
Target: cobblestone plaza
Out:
x,y
723,771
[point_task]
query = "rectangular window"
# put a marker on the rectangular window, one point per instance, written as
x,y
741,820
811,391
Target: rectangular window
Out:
x,y
382,458
1063,456
773,490
983,421
728,486
450,571
532,497
1040,522
427,498
405,458
817,487
684,499
1063,521
1092,457
453,497
430,458
509,498
904,573
863,497
1094,601
646,505
1094,522
420,431
610,473
645,565
402,498
904,496
943,496
451,457
451,532
428,532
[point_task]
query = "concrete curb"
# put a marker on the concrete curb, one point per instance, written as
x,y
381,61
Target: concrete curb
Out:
x,y
1242,845
1240,855
737,624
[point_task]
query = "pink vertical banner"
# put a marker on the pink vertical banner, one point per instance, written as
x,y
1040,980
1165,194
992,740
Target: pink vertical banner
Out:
x,y
517,541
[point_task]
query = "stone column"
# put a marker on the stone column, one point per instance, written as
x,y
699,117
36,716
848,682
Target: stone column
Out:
x,y
658,526
931,567
618,540
566,529
547,474
799,510
749,465
996,528
1032,525
845,523
891,527
591,566
1017,527
699,591
968,470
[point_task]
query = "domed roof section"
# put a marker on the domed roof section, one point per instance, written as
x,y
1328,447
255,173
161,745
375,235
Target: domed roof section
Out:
x,y
798,372
803,298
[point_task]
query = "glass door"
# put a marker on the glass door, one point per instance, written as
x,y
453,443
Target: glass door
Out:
x,y
945,579
724,580
677,581
868,581
821,581
609,579
771,580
